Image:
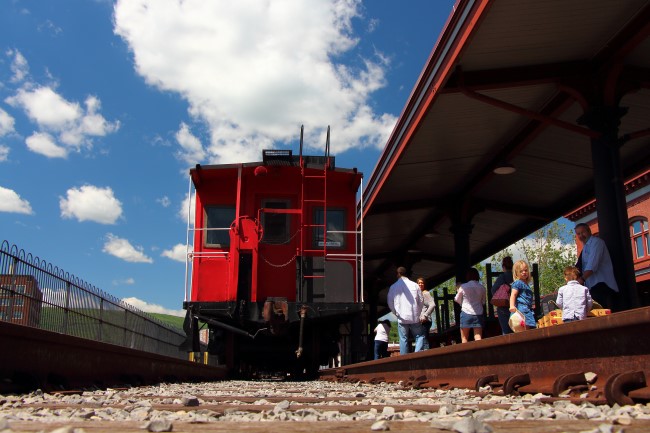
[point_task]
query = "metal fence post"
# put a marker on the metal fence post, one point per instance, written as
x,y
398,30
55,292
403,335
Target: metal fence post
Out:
x,y
101,319
126,321
12,292
66,308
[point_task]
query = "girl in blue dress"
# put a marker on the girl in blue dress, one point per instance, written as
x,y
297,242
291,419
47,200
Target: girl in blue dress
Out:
x,y
521,295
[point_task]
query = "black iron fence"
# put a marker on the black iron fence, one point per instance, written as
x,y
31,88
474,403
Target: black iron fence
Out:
x,y
35,293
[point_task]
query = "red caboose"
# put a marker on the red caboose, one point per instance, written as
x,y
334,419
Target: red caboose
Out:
x,y
275,268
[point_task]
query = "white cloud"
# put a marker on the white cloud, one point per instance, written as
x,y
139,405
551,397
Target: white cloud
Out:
x,y
19,66
6,123
187,205
46,107
254,71
91,203
50,27
191,148
45,144
63,125
4,153
122,249
10,201
152,308
164,201
177,253
125,282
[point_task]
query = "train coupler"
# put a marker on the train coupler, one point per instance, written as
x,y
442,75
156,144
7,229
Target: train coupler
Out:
x,y
276,315
303,314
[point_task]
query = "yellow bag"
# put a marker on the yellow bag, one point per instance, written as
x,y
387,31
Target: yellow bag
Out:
x,y
551,319
597,312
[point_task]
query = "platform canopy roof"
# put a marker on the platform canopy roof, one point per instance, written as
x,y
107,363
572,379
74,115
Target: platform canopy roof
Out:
x,y
507,84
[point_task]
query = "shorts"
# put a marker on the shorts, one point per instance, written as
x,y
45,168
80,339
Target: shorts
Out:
x,y
471,320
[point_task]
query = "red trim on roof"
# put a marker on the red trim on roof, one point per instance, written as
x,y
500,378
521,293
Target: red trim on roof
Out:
x,y
631,185
442,73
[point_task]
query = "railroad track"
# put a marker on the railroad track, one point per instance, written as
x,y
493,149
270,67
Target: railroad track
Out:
x,y
529,381
313,407
601,360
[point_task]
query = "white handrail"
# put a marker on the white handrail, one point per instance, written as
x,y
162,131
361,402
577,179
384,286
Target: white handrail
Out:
x,y
187,238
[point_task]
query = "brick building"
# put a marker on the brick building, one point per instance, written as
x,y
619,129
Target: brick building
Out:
x,y
20,299
637,194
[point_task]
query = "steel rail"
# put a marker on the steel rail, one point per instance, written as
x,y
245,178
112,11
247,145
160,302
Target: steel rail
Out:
x,y
551,360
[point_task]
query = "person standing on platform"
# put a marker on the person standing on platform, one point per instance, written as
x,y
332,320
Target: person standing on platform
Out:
x,y
521,295
382,331
505,278
471,297
427,309
597,270
405,300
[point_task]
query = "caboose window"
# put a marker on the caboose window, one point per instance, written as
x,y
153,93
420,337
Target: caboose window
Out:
x,y
276,225
218,217
335,222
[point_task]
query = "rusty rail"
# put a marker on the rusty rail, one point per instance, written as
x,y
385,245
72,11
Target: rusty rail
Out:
x,y
550,361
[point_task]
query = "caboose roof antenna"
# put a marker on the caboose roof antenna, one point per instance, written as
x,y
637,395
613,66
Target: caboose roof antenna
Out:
x,y
302,128
327,147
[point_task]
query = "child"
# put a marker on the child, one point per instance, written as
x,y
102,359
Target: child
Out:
x,y
381,339
521,295
573,298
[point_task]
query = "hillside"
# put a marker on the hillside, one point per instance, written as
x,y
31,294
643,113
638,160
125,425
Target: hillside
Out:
x,y
173,321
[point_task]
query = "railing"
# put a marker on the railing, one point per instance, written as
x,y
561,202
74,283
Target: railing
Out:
x,y
35,293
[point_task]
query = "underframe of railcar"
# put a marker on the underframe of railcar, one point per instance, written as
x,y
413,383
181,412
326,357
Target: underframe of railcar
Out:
x,y
251,343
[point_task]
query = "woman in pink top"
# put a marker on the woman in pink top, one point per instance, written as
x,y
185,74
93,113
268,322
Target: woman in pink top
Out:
x,y
471,297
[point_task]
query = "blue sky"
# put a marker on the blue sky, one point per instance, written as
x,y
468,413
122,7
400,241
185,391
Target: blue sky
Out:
x,y
105,105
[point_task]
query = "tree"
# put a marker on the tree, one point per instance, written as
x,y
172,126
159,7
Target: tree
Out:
x,y
548,248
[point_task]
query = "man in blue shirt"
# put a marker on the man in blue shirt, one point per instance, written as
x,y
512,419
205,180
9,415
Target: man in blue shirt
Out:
x,y
597,270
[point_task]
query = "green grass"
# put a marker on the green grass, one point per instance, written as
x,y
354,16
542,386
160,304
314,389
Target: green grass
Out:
x,y
393,337
173,321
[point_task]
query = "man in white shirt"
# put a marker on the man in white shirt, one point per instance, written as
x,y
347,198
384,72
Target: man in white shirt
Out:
x,y
597,270
405,301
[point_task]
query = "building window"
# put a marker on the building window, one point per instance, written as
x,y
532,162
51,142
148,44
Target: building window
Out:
x,y
18,315
335,222
20,288
640,238
217,222
276,225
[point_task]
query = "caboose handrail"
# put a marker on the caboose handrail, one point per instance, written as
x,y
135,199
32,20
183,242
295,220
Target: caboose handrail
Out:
x,y
343,255
360,243
209,254
187,240
275,210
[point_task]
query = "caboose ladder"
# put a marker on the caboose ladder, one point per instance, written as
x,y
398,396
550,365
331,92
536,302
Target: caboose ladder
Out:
x,y
308,185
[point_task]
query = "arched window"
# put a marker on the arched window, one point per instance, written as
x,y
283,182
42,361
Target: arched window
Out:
x,y
640,239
